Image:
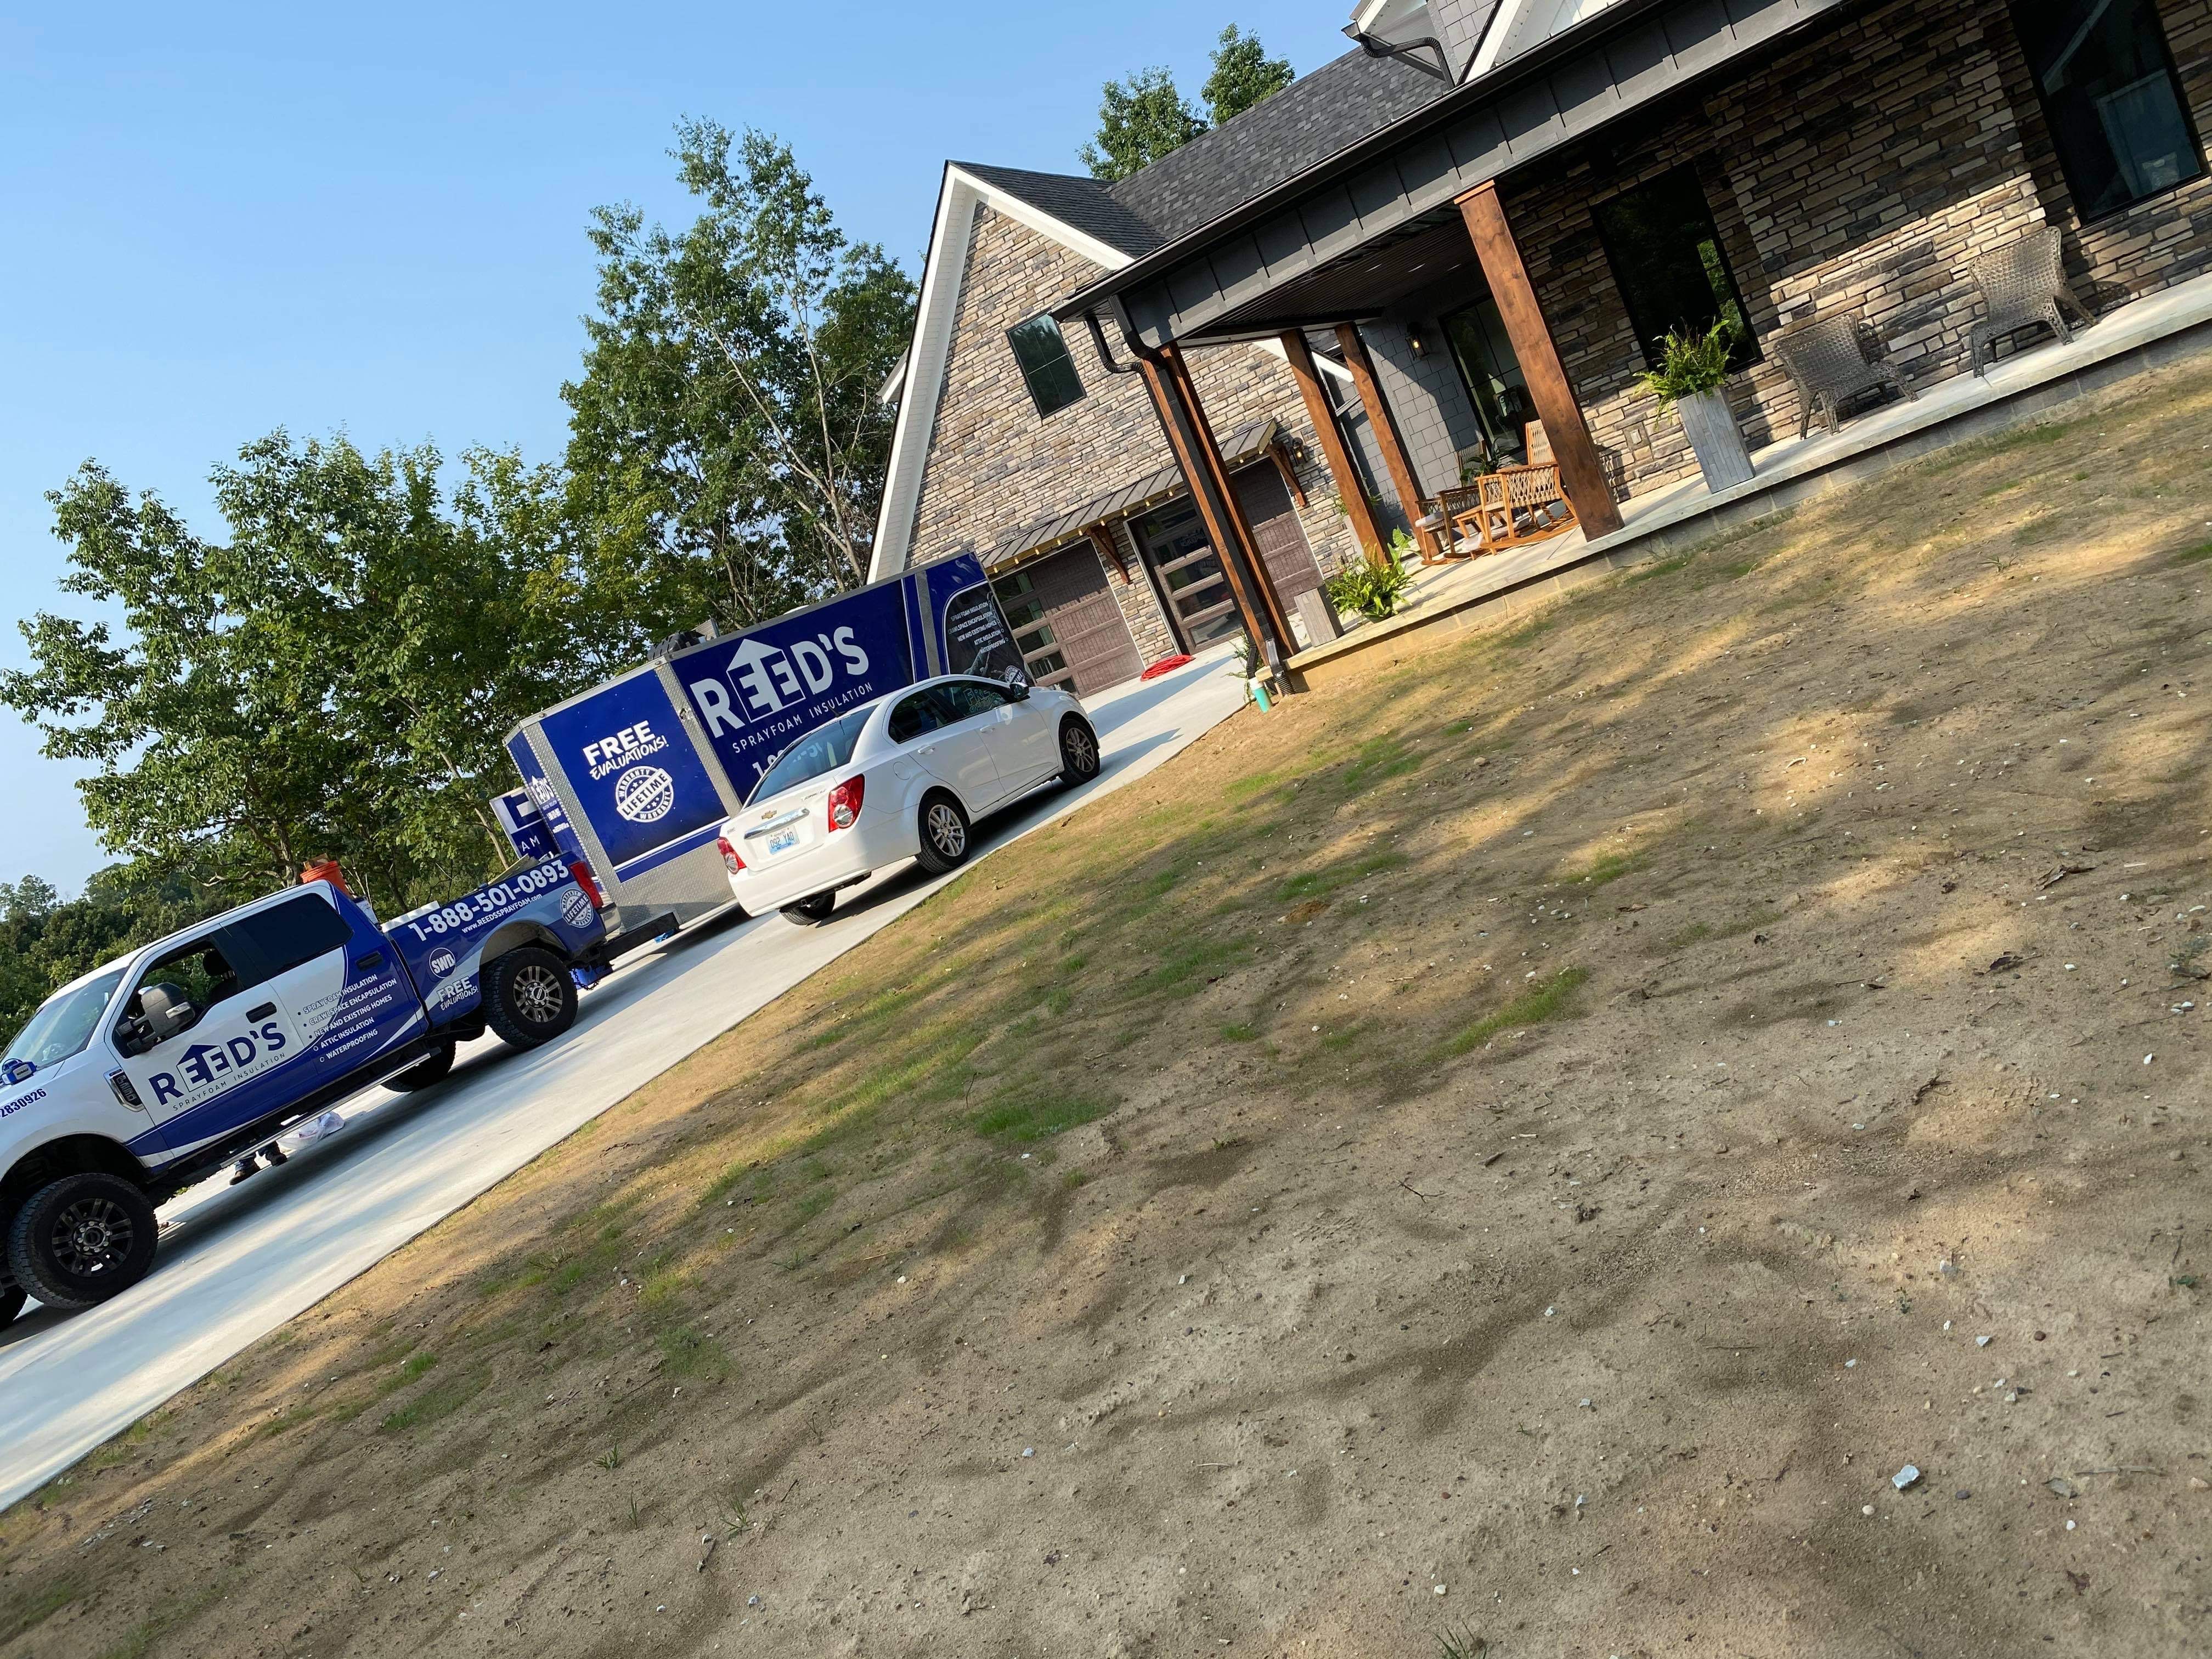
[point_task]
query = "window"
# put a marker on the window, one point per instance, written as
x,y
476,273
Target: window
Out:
x,y
1667,260
201,970
2108,89
969,698
823,749
1050,372
64,1023
919,715
280,938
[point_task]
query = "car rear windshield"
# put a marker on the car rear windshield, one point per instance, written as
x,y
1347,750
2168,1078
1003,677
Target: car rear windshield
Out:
x,y
64,1024
823,749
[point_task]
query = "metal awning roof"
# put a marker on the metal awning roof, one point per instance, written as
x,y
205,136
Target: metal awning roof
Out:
x,y
1247,444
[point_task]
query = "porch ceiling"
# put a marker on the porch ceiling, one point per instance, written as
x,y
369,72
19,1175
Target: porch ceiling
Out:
x,y
1359,285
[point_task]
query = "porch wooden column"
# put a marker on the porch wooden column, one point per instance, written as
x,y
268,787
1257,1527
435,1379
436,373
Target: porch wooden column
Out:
x,y
1349,488
1581,474
1379,421
1193,444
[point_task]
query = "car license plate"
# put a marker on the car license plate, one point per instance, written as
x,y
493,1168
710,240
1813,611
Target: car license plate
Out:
x,y
783,841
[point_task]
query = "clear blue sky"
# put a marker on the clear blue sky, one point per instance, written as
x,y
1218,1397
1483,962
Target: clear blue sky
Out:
x,y
223,220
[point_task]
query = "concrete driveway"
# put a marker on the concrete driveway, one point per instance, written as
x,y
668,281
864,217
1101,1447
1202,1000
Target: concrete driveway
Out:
x,y
236,1262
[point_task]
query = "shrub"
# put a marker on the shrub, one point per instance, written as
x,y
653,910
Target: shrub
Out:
x,y
1373,594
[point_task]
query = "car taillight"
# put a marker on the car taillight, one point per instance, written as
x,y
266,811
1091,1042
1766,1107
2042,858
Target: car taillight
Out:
x,y
582,872
845,802
730,858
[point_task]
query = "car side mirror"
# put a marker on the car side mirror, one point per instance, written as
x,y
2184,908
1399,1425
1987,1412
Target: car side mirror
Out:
x,y
166,1010
1017,691
17,1070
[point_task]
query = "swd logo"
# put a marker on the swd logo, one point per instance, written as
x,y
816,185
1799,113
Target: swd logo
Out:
x,y
644,793
441,962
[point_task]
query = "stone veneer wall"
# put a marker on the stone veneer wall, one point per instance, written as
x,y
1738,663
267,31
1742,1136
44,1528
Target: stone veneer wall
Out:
x,y
993,466
1864,169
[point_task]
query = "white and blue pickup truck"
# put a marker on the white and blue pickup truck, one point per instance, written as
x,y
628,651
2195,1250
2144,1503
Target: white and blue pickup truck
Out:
x,y
150,1071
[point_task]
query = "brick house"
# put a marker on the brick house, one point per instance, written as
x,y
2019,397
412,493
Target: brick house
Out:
x,y
1484,218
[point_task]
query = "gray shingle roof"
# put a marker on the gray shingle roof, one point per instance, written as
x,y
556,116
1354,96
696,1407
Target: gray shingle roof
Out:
x,y
1301,126
1248,443
1076,200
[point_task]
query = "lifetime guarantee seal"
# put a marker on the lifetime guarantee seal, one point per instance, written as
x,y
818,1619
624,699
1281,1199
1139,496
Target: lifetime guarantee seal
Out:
x,y
644,794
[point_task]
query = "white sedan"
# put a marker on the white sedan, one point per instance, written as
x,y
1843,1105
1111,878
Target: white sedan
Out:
x,y
902,777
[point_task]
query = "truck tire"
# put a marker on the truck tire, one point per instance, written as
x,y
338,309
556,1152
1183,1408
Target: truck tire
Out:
x,y
529,998
424,1072
810,911
81,1240
943,834
1078,751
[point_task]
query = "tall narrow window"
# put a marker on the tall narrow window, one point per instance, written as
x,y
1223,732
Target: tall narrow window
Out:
x,y
2111,96
1667,263
1046,366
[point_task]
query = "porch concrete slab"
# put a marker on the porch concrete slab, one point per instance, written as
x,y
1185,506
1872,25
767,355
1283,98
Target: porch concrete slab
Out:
x,y
2145,334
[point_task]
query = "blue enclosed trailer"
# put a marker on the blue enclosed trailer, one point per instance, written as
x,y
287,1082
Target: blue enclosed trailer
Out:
x,y
635,776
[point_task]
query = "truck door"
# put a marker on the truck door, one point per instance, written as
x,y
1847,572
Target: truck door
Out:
x,y
335,975
233,1063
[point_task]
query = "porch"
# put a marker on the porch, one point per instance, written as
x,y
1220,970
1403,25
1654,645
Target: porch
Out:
x,y
1510,255
2161,328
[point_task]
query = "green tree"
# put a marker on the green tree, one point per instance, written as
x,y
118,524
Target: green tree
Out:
x,y
333,679
1243,75
1139,119
726,445
123,906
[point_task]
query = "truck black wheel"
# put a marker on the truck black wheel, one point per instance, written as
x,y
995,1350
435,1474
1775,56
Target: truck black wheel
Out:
x,y
424,1072
1078,751
811,911
943,834
11,1304
529,998
81,1240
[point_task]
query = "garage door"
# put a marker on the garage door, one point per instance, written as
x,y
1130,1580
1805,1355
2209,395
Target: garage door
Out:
x,y
1275,527
1065,619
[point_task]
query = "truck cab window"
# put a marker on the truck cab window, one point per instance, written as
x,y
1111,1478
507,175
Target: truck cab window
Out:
x,y
202,970
278,939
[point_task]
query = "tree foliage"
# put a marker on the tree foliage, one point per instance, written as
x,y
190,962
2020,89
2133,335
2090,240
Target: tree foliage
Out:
x,y
1243,75
1144,117
727,447
1139,119
45,942
334,679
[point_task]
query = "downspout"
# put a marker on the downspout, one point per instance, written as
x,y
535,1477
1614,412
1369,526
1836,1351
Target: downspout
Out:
x,y
1375,46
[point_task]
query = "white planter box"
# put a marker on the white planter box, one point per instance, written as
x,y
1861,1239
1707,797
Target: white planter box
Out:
x,y
1716,440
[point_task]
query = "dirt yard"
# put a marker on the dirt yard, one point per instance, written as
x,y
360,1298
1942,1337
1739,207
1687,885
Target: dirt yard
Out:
x,y
1519,1150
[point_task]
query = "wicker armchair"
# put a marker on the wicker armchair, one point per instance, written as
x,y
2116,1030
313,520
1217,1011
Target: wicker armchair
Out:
x,y
1828,362
2023,285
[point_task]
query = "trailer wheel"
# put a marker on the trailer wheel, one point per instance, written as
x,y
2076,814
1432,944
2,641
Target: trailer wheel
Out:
x,y
80,1240
812,910
424,1072
1078,751
529,998
943,834
11,1304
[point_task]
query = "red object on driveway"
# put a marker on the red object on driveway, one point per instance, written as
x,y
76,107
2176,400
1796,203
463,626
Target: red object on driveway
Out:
x,y
1165,665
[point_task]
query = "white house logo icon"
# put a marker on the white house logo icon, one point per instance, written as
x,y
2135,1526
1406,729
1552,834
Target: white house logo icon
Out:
x,y
644,793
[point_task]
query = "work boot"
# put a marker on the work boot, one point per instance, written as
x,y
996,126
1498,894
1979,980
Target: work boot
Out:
x,y
275,1154
246,1166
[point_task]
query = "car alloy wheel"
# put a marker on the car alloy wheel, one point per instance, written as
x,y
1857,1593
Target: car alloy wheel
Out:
x,y
93,1236
537,993
1079,752
948,832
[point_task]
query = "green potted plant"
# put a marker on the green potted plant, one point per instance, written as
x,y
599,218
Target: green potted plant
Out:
x,y
1692,369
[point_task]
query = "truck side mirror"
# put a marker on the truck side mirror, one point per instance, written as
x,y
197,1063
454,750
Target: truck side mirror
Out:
x,y
166,1010
17,1070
